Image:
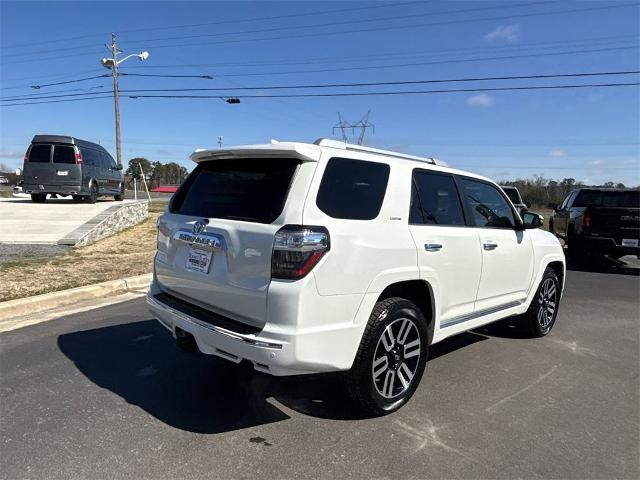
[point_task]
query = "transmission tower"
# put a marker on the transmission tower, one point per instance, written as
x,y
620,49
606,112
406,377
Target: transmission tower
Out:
x,y
345,126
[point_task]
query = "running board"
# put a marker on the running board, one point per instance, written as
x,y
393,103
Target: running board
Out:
x,y
481,313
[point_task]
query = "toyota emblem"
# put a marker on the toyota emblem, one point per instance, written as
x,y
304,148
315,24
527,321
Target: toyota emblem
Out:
x,y
200,226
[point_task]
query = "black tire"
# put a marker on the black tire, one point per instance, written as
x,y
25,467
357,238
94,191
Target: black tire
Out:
x,y
120,196
93,193
538,320
38,197
361,382
77,198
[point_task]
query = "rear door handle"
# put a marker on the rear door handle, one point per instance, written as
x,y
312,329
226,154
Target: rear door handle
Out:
x,y
433,246
490,245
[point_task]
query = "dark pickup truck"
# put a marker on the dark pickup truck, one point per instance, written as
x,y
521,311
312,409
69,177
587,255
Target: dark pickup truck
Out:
x,y
599,220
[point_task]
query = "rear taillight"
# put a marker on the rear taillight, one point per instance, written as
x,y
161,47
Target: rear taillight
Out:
x,y
79,160
586,219
297,249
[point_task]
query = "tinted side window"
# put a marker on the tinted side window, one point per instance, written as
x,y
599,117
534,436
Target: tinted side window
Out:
x,y
353,189
488,207
435,200
40,154
64,154
91,157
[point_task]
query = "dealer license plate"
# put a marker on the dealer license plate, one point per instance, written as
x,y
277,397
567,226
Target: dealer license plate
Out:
x,y
629,242
199,260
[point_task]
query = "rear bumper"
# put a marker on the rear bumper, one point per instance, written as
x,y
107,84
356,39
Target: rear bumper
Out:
x,y
606,246
279,350
47,188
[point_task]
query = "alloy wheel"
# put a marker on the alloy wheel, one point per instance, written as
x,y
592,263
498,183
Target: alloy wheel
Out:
x,y
547,301
396,358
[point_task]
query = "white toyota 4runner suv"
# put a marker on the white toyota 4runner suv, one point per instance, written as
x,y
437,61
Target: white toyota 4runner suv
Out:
x,y
305,258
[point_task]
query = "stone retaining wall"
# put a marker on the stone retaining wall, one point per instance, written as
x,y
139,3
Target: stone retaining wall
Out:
x,y
112,220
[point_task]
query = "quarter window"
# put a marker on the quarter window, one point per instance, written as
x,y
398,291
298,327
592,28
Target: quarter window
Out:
x,y
488,206
91,157
353,189
435,200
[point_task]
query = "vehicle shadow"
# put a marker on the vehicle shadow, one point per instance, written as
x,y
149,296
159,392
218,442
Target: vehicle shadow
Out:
x,y
204,394
603,264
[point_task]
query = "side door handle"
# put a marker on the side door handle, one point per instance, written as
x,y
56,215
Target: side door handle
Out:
x,y
490,245
433,246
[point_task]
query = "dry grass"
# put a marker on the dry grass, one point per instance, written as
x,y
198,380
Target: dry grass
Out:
x,y
127,253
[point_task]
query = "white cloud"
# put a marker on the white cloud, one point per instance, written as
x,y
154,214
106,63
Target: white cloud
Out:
x,y
507,33
11,154
556,152
482,100
598,163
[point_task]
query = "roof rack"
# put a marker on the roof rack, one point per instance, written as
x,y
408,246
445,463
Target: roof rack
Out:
x,y
327,142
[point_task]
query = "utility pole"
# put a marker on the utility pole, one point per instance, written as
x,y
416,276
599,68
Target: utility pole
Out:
x,y
113,63
114,73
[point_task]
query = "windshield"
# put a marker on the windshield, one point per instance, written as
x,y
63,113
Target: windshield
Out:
x,y
252,190
608,198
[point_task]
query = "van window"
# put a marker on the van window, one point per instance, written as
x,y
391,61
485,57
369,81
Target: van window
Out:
x,y
40,154
251,189
91,157
488,207
353,189
64,154
435,200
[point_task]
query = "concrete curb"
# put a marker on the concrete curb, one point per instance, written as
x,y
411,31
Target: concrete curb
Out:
x,y
47,301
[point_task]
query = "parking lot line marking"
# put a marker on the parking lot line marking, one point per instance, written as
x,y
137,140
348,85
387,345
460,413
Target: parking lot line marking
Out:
x,y
493,407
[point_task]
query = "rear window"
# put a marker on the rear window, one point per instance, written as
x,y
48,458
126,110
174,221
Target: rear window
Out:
x,y
604,198
353,189
62,154
40,154
252,190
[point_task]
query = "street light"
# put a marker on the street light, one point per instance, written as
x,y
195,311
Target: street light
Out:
x,y
113,63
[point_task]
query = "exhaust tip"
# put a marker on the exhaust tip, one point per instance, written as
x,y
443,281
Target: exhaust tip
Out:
x,y
186,341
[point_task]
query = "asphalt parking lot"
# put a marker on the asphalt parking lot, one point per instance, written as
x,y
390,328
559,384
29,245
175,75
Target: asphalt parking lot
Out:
x,y
106,394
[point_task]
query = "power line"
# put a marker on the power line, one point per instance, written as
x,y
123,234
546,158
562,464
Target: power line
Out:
x,y
398,27
105,75
207,77
435,62
297,27
587,42
221,22
346,22
341,85
350,94
351,31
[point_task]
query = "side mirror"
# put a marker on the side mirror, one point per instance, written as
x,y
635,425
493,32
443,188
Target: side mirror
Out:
x,y
18,172
118,167
532,220
554,207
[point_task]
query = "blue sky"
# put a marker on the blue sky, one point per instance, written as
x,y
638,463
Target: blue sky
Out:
x,y
591,134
